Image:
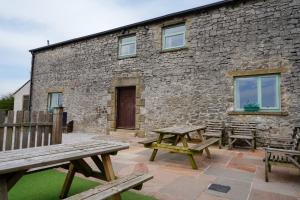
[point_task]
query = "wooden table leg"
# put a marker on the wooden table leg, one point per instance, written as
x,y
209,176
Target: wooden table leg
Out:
x,y
202,139
14,178
190,156
3,189
68,181
99,164
109,172
176,140
189,137
266,166
160,137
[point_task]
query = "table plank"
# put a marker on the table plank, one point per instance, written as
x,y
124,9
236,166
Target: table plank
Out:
x,y
43,156
33,152
179,130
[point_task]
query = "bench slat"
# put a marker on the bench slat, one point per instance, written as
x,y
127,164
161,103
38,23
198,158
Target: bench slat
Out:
x,y
151,140
242,136
212,134
204,144
111,188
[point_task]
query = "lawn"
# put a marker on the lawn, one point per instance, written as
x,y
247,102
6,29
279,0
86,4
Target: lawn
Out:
x,y
46,185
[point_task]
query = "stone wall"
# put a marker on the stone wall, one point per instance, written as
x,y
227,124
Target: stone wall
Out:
x,y
185,86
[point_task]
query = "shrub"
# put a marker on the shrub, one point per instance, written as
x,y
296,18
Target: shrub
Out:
x,y
7,103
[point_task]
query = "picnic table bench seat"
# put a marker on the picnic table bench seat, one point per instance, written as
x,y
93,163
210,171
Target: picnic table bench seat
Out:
x,y
204,144
112,188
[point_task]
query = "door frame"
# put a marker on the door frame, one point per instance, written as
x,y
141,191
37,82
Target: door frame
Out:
x,y
117,109
139,103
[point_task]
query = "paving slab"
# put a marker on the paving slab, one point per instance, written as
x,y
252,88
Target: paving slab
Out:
x,y
187,187
205,196
118,166
230,174
259,194
239,189
282,180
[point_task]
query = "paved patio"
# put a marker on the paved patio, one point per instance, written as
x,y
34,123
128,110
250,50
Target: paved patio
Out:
x,y
174,179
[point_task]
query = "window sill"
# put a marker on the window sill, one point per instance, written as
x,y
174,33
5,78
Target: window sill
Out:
x,y
125,57
174,49
274,113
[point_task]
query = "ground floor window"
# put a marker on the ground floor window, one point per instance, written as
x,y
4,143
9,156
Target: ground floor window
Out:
x,y
55,99
26,100
257,92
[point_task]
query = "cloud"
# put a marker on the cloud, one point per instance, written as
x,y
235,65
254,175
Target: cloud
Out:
x,y
29,24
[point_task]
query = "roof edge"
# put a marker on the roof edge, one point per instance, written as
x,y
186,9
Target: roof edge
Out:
x,y
21,87
148,21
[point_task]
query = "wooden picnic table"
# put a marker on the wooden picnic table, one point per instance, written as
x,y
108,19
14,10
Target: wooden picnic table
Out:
x,y
14,164
170,138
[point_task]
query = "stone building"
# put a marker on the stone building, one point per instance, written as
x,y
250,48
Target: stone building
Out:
x,y
209,62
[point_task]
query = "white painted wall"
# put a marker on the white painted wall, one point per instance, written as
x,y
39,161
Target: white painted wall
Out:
x,y
18,102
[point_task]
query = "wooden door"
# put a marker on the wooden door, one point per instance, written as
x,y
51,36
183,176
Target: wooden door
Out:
x,y
126,107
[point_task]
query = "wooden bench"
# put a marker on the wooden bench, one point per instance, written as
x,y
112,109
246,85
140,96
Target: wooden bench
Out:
x,y
242,131
214,129
283,156
204,144
112,188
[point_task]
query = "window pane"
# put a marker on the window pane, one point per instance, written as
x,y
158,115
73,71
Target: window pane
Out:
x,y
55,100
174,29
247,90
269,91
128,49
174,41
60,99
128,39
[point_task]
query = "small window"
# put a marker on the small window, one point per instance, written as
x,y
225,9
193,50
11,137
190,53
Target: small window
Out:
x,y
127,46
174,36
55,100
25,102
260,91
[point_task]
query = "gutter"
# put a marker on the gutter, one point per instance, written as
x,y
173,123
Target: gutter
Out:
x,y
31,81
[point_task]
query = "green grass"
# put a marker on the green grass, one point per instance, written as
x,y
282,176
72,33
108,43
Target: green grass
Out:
x,y
46,185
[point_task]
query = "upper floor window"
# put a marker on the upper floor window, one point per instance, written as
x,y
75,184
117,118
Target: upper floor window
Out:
x,y
174,36
262,92
55,100
127,46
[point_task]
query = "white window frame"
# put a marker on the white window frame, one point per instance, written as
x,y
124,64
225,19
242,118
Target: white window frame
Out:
x,y
259,93
164,36
126,43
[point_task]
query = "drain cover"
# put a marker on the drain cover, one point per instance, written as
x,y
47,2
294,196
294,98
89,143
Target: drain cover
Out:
x,y
219,188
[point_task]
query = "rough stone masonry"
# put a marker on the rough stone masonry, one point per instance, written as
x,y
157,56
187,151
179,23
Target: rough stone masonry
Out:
x,y
189,85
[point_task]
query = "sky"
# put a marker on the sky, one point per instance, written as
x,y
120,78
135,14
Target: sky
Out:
x,y
26,25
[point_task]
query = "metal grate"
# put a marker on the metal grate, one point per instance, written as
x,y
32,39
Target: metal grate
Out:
x,y
219,188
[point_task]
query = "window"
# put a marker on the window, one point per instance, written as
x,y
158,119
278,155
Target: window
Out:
x,y
263,91
127,46
174,37
25,102
55,100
